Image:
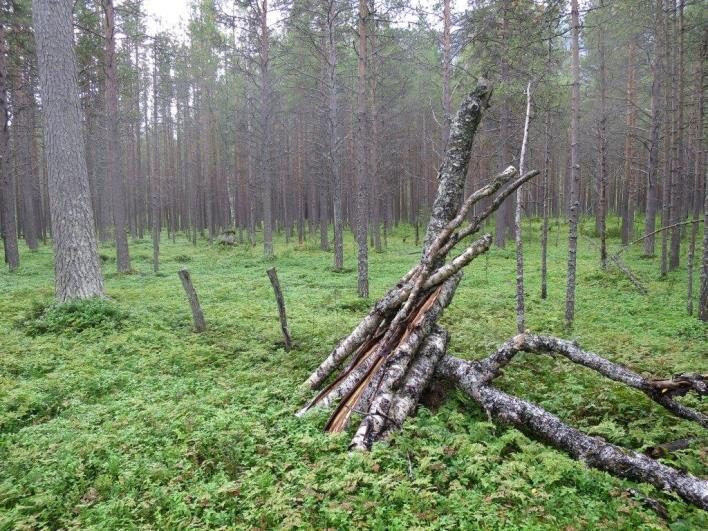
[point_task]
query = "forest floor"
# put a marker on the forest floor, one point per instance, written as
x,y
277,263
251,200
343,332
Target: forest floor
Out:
x,y
116,415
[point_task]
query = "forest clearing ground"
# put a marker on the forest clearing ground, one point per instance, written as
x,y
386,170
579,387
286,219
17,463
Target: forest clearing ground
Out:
x,y
138,422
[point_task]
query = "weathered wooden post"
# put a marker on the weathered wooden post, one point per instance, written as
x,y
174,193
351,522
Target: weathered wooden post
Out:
x,y
273,276
197,315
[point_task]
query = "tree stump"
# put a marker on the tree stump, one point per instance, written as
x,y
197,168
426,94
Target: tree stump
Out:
x,y
197,315
273,276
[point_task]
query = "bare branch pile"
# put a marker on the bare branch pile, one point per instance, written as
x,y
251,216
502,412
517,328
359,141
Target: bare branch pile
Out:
x,y
399,348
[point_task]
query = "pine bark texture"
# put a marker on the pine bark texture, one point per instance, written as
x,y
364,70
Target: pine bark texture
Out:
x,y
574,203
76,265
7,208
362,199
115,168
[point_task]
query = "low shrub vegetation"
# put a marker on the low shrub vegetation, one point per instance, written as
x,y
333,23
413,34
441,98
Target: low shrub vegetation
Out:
x,y
115,415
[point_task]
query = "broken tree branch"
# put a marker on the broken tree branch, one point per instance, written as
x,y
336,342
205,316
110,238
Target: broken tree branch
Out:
x,y
594,451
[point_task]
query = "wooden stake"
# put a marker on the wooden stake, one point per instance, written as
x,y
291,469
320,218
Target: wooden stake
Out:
x,y
273,276
197,315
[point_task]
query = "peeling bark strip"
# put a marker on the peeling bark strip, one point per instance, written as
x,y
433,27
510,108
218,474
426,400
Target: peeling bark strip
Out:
x,y
197,315
273,276
420,372
594,451
387,341
397,363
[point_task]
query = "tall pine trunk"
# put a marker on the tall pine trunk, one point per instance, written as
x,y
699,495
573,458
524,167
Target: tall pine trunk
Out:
x,y
7,207
574,203
115,169
361,158
653,163
76,266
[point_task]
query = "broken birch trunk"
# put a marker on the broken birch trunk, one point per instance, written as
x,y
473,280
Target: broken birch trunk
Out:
x,y
398,349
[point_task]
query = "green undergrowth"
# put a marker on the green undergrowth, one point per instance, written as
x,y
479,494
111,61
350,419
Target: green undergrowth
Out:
x,y
114,414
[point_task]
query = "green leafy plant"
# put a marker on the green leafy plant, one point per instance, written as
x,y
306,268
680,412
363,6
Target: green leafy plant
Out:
x,y
71,317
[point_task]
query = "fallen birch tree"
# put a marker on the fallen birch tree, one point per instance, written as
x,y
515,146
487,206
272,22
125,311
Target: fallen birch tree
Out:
x,y
398,349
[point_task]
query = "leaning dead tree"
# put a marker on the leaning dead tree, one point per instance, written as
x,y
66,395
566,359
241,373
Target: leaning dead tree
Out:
x,y
398,349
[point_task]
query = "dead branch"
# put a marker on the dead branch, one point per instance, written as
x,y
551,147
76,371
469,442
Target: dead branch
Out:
x,y
594,451
660,391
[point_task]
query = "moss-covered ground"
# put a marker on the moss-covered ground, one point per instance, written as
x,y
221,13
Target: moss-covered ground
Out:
x,y
115,415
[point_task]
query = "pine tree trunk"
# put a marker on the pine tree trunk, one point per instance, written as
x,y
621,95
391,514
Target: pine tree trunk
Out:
x,y
446,66
155,170
602,134
264,169
502,216
653,163
76,266
628,207
23,132
115,169
677,181
334,158
362,223
574,203
7,208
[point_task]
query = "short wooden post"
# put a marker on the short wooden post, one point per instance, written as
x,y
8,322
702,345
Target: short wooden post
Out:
x,y
197,315
273,276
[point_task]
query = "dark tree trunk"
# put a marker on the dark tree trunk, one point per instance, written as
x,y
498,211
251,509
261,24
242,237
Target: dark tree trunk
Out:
x,y
287,338
264,148
115,169
155,170
23,131
197,315
677,181
602,137
333,134
7,208
502,216
629,181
